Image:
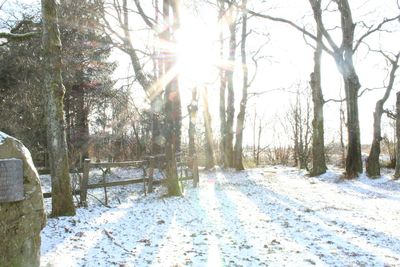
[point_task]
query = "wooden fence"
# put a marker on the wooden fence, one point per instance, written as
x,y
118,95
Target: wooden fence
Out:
x,y
186,171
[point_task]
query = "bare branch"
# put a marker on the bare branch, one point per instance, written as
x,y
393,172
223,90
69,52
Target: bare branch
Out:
x,y
255,61
390,114
359,95
335,100
372,29
2,4
287,22
145,18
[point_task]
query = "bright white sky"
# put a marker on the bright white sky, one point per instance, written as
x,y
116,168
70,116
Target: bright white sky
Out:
x,y
286,60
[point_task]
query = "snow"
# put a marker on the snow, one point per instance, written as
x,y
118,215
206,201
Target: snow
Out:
x,y
3,137
273,216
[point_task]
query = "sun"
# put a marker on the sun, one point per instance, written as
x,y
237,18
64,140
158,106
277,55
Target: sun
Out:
x,y
197,54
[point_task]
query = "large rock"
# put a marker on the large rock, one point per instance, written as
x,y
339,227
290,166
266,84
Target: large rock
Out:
x,y
21,221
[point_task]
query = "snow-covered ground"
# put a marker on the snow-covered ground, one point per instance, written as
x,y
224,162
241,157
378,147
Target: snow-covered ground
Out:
x,y
273,216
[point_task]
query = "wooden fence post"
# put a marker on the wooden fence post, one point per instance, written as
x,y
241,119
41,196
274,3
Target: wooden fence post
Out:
x,y
84,183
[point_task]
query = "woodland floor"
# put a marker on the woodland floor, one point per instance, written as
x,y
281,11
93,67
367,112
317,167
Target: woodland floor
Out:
x,y
274,216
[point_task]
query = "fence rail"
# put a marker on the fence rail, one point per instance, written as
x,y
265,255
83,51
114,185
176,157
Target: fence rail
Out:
x,y
148,166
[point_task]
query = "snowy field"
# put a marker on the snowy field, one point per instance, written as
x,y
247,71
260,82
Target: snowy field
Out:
x,y
259,217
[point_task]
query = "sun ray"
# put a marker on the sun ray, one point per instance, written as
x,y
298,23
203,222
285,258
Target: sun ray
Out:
x,y
159,85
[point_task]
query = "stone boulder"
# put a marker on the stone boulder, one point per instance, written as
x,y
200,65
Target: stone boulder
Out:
x,y
21,221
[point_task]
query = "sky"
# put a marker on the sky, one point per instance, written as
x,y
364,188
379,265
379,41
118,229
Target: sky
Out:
x,y
285,61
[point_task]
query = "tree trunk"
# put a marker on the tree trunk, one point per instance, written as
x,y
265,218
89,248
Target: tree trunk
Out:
x,y
157,142
259,143
344,60
153,92
192,110
172,107
397,171
318,147
141,77
353,159
62,203
82,123
230,108
238,163
222,93
342,146
254,134
209,149
156,97
372,165
343,56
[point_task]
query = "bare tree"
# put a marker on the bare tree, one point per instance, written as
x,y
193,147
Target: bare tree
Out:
x,y
397,171
173,112
372,165
209,149
299,120
222,89
192,110
125,43
343,55
238,164
230,105
318,146
54,91
341,133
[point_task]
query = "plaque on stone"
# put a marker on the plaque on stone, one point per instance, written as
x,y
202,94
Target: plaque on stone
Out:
x,y
11,180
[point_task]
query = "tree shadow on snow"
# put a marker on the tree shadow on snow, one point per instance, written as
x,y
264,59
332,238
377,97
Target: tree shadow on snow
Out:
x,y
320,236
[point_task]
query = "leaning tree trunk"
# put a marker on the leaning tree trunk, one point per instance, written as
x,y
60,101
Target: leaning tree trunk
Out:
x,y
397,171
172,107
154,92
372,166
62,203
230,107
318,147
238,163
209,149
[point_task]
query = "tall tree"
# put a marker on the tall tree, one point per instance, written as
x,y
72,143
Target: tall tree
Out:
x,y
372,165
192,111
397,170
222,88
238,163
21,111
62,203
318,147
152,85
172,99
230,105
86,78
299,119
209,149
86,72
343,56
